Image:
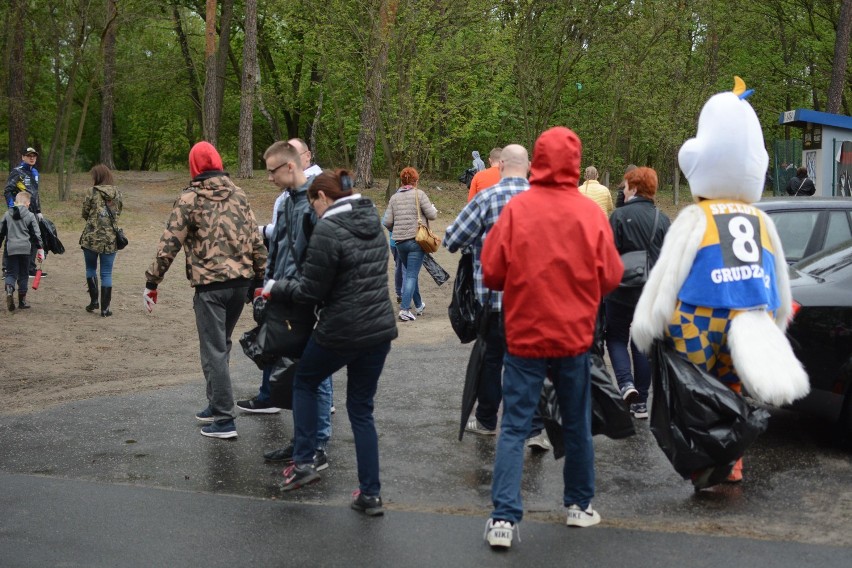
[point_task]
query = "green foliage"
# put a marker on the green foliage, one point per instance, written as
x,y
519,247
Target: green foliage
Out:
x,y
462,75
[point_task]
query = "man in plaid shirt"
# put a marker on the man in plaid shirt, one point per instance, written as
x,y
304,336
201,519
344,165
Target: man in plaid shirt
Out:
x,y
469,231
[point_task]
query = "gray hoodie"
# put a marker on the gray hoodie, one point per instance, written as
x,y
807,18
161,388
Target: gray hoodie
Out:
x,y
18,226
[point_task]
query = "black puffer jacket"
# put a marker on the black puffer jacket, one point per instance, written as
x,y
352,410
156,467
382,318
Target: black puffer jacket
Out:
x,y
798,187
345,272
631,228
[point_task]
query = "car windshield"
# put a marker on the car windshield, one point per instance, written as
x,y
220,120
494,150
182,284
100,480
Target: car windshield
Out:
x,y
828,262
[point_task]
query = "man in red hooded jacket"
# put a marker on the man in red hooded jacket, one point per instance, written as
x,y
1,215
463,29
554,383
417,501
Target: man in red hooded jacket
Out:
x,y
552,254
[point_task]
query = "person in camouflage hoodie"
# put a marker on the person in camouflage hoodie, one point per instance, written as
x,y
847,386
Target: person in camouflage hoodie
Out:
x,y
101,206
225,261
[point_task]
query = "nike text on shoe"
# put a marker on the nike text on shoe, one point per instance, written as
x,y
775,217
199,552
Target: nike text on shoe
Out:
x,y
577,517
499,534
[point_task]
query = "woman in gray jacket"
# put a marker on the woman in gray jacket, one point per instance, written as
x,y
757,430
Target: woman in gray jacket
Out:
x,y
401,217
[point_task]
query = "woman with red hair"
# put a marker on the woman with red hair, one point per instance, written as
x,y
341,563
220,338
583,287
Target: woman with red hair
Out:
x,y
404,208
637,225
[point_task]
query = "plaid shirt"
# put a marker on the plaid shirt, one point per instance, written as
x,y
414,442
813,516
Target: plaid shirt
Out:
x,y
473,223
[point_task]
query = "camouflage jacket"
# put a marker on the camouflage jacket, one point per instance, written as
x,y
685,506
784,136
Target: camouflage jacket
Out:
x,y
98,234
213,221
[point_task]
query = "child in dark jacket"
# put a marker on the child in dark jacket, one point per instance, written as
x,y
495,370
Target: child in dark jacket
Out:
x,y
19,228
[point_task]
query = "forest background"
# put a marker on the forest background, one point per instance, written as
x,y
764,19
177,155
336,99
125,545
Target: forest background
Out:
x,y
375,85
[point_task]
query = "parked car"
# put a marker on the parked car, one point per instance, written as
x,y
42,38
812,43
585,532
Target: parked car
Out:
x,y
808,225
821,332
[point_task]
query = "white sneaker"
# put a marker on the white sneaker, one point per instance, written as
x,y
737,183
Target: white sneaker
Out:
x,y
540,443
406,315
499,533
580,518
419,311
474,426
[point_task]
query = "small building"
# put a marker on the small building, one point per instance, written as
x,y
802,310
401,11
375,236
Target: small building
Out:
x,y
826,151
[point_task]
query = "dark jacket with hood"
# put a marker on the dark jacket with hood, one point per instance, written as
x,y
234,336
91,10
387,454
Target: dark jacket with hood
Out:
x,y
213,222
552,254
99,233
345,273
631,228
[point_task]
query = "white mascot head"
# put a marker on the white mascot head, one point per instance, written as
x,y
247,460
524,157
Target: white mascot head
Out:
x,y
727,159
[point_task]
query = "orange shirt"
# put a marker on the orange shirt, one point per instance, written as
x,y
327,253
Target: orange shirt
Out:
x,y
483,180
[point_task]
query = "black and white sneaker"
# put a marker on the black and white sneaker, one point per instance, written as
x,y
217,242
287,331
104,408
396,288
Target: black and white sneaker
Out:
x,y
639,410
406,315
256,406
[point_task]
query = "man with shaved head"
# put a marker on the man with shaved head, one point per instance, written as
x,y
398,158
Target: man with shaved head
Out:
x,y
469,230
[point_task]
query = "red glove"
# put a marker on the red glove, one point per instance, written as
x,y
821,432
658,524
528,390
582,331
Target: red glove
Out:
x,y
149,297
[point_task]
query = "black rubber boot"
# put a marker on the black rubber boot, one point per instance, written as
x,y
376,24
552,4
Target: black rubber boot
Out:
x,y
10,298
92,283
106,297
22,301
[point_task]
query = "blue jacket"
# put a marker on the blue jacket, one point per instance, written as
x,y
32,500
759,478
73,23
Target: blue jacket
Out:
x,y
28,177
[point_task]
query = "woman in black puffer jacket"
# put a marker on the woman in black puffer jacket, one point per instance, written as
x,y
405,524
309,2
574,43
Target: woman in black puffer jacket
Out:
x,y
345,273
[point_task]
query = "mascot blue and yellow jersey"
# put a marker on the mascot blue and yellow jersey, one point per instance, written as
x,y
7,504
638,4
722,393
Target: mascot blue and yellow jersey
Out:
x,y
735,264
733,271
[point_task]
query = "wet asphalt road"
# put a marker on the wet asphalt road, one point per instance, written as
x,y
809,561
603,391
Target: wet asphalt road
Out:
x,y
77,479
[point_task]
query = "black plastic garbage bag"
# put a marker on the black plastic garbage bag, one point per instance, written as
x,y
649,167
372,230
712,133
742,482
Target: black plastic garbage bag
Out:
x,y
248,341
281,383
435,270
610,416
698,422
464,307
49,236
467,176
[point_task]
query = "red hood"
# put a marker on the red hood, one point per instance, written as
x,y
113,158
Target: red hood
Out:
x,y
556,159
204,158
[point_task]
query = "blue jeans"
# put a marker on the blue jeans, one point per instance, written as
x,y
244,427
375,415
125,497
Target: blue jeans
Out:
x,y
522,381
619,318
325,398
490,392
363,368
107,259
411,256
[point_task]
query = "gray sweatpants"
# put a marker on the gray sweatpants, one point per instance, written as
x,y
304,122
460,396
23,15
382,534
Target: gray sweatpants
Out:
x,y
216,315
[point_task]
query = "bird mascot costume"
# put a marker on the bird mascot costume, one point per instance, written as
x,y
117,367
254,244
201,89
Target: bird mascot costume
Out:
x,y
720,293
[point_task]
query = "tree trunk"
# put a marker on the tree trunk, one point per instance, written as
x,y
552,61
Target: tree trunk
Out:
x,y
16,23
366,146
841,54
66,188
108,87
250,73
194,96
222,58
210,127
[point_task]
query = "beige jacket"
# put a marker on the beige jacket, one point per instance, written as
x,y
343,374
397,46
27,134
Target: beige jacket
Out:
x,y
401,215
